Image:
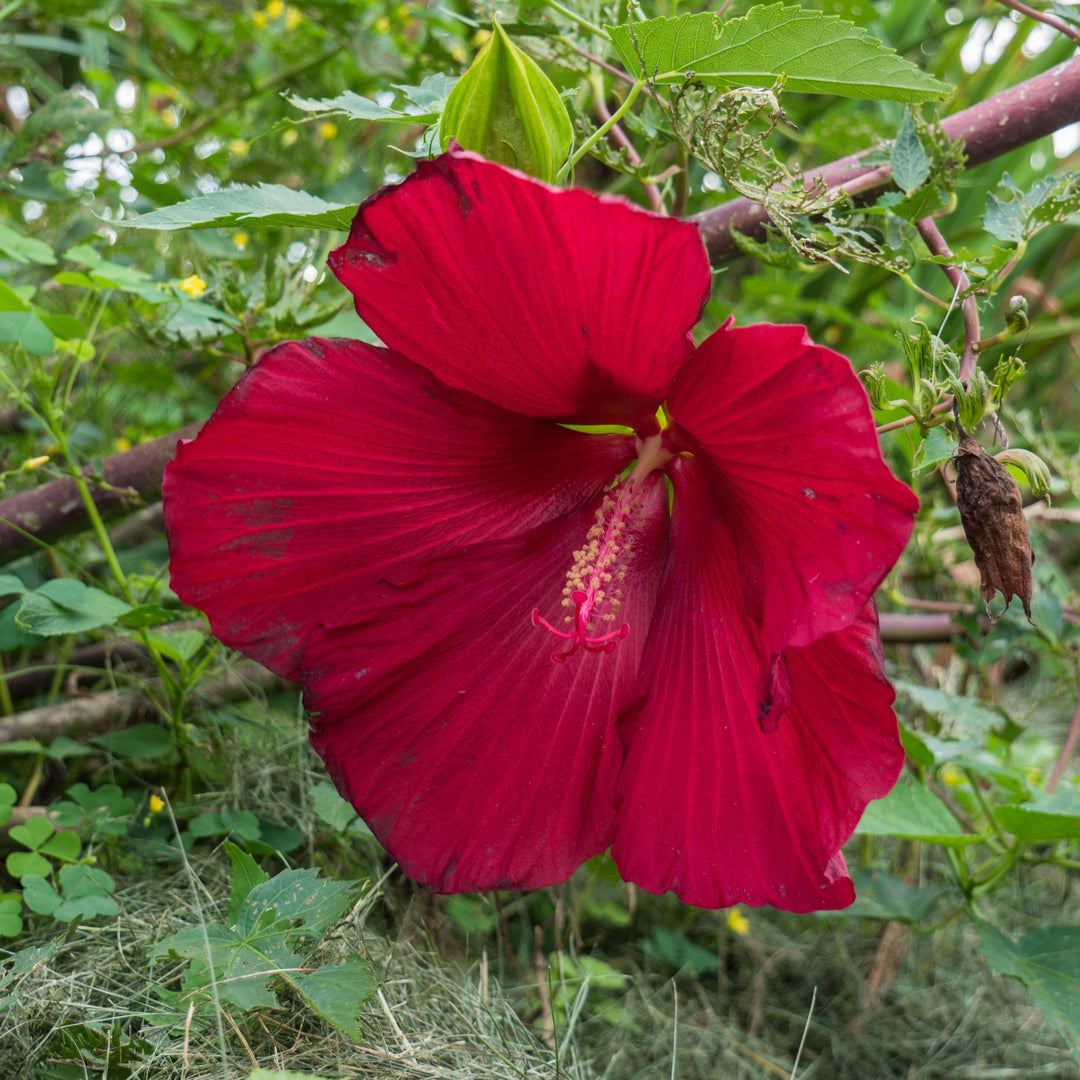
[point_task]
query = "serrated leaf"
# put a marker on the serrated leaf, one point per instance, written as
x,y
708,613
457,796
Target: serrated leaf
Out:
x,y
879,895
1047,962
957,712
910,163
912,812
424,105
67,606
270,204
1045,818
337,994
938,446
297,894
816,53
246,874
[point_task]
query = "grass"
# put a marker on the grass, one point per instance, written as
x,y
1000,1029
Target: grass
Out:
x,y
461,998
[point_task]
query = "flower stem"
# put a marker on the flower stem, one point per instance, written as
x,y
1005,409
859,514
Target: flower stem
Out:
x,y
584,23
601,131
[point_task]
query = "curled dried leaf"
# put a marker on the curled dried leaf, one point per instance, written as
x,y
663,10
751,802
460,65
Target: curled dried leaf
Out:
x,y
993,518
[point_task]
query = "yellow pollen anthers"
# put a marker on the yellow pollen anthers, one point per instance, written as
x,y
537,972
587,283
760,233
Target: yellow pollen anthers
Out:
x,y
594,583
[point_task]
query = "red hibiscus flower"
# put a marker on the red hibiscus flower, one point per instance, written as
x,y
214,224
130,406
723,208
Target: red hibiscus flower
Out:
x,y
521,643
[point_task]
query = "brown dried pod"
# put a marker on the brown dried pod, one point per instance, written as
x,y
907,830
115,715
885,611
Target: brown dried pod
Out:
x,y
993,518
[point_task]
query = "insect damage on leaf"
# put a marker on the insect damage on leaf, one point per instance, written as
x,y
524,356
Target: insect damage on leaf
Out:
x,y
990,511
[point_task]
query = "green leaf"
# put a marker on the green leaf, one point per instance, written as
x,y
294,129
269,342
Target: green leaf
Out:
x,y
1015,216
144,615
424,105
8,796
67,606
81,880
10,585
12,636
1045,818
816,53
910,163
11,924
337,994
1047,962
178,645
21,863
33,833
270,204
25,329
246,875
958,714
25,249
297,894
274,916
39,895
64,846
913,812
879,895
336,811
938,446
146,741
505,108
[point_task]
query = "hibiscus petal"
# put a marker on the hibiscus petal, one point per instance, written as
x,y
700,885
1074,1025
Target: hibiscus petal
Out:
x,y
550,302
478,761
334,465
709,805
787,437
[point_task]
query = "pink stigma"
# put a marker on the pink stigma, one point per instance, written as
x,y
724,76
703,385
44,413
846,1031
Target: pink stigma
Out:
x,y
579,636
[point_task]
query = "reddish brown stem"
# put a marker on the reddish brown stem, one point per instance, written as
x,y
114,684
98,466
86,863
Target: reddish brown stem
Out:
x,y
1043,17
618,136
53,510
959,280
1013,118
1067,749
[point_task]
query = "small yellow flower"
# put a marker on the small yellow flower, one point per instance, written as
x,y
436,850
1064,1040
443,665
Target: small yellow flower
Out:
x,y
737,921
327,129
381,25
1033,774
156,804
288,137
122,444
170,116
275,9
239,147
952,774
293,17
194,286
240,239
260,20
480,37
30,464
458,54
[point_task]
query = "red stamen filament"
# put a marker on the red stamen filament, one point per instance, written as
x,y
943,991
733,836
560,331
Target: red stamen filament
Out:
x,y
579,636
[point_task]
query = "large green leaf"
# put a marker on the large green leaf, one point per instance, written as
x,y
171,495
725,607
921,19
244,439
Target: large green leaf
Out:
x,y
913,812
1047,962
67,606
816,53
1045,818
270,204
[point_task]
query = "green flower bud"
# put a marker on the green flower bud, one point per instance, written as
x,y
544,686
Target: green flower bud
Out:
x,y
1016,313
505,108
1032,466
1006,371
970,401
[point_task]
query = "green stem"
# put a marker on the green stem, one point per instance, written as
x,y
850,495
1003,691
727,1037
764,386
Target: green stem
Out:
x,y
7,706
599,31
601,131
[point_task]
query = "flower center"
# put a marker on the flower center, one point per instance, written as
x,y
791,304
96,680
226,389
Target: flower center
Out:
x,y
594,584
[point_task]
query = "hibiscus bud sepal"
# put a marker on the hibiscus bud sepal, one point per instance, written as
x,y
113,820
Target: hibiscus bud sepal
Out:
x,y
505,108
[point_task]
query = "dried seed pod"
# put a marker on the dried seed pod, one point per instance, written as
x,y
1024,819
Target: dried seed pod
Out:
x,y
994,524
